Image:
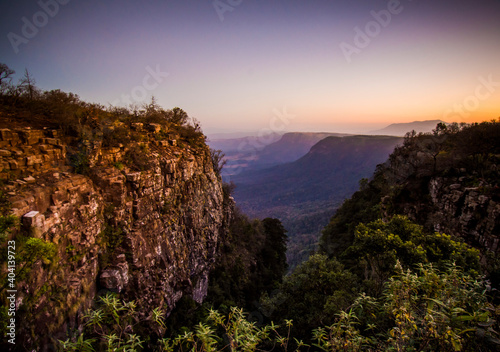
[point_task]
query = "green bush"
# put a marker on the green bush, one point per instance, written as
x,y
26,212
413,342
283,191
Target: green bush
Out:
x,y
110,327
113,137
311,296
379,245
423,310
80,160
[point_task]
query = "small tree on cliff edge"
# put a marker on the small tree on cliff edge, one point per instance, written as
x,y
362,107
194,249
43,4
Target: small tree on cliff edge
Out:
x,y
5,78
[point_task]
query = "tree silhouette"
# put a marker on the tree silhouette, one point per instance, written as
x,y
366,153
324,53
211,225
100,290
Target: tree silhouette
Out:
x,y
27,85
5,77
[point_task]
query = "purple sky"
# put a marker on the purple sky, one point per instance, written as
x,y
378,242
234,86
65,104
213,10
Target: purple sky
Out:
x,y
330,64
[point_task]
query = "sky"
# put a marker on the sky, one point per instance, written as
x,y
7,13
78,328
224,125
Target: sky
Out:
x,y
264,65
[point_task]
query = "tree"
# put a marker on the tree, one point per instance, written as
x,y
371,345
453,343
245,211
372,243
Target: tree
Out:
x,y
252,261
311,296
5,78
218,161
179,116
379,245
154,113
272,258
28,85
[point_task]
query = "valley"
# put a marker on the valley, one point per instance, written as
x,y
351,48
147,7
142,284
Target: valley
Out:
x,y
310,176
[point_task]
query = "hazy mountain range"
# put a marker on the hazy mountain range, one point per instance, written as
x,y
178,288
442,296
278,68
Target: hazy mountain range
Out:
x,y
325,172
301,178
400,129
251,153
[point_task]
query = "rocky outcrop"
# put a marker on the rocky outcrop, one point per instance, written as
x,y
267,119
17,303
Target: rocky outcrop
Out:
x,y
149,232
463,206
471,212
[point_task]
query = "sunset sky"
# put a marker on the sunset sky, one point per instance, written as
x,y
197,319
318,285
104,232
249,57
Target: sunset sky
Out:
x,y
235,65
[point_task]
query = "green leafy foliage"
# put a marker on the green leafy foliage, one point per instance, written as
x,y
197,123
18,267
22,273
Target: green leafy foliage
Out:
x,y
234,333
80,160
252,261
343,335
7,223
28,251
379,245
317,290
428,310
363,206
422,310
321,287
19,254
35,249
111,327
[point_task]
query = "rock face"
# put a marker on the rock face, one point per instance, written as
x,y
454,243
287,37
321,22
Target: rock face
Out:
x,y
459,206
472,212
149,232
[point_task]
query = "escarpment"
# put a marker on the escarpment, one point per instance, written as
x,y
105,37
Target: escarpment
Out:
x,y
461,206
141,218
446,181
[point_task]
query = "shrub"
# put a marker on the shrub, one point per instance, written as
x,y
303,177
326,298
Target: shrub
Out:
x,y
80,160
137,159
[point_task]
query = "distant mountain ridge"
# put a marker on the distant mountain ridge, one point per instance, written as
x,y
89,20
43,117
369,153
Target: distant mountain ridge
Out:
x,y
292,146
328,160
258,152
253,153
400,129
238,144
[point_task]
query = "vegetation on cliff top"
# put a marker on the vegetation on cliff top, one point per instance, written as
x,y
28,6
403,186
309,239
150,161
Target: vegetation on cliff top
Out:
x,y
25,105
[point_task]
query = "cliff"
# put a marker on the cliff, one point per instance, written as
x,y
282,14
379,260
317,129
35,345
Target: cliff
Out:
x,y
142,218
446,181
460,205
